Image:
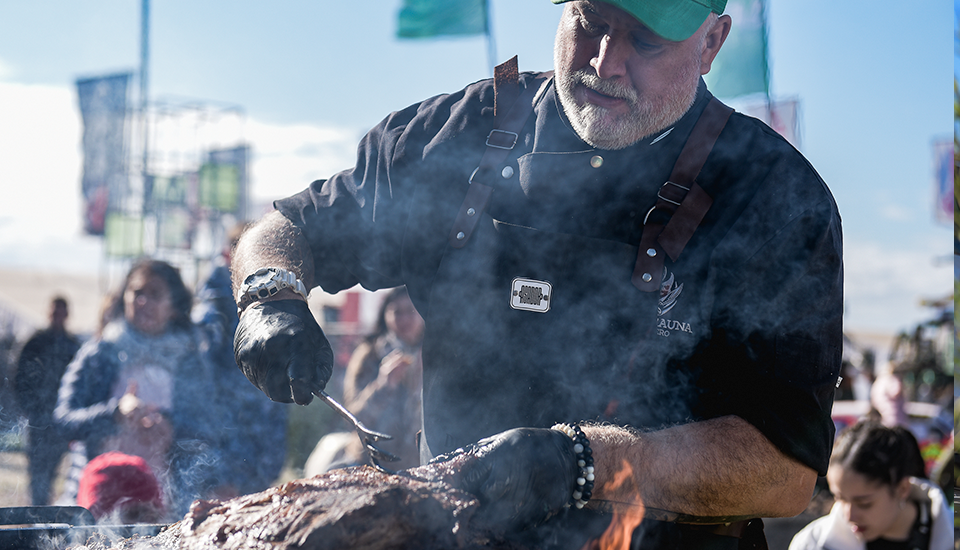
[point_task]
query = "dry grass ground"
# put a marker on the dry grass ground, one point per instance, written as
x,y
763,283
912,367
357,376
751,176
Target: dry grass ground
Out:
x,y
15,481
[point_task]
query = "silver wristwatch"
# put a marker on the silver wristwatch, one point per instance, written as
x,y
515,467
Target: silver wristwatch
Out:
x,y
266,282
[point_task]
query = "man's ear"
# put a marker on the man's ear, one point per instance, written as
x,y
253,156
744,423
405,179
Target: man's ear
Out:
x,y
713,41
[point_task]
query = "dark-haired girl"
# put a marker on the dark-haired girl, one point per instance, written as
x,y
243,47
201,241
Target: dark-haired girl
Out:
x,y
883,501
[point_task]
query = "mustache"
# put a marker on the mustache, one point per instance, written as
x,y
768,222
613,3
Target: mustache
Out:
x,y
611,88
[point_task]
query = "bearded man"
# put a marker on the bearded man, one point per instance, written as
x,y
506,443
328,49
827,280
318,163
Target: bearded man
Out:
x,y
632,296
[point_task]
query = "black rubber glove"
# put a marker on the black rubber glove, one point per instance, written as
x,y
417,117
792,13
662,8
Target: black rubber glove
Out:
x,y
522,476
280,348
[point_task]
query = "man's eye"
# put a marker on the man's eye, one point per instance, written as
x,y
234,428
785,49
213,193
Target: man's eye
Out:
x,y
642,46
591,29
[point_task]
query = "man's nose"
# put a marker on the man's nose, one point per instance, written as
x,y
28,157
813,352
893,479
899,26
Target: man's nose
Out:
x,y
611,58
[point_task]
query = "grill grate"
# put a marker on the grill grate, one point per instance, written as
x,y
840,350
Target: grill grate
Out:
x,y
46,527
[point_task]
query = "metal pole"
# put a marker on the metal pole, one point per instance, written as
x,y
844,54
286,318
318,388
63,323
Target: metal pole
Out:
x,y
491,44
144,101
144,58
766,60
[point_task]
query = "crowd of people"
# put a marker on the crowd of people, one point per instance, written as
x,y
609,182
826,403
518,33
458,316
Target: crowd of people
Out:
x,y
140,387
151,408
153,413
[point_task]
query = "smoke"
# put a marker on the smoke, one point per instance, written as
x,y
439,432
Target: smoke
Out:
x,y
12,430
52,542
117,537
193,472
13,333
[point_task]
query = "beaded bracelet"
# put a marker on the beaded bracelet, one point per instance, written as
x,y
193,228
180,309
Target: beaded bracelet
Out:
x,y
581,446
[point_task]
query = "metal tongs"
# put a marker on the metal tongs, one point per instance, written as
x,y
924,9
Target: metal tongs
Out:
x,y
367,436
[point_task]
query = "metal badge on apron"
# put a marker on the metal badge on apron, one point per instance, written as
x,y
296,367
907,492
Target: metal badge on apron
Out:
x,y
531,295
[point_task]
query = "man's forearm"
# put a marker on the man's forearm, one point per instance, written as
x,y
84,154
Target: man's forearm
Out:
x,y
272,242
722,467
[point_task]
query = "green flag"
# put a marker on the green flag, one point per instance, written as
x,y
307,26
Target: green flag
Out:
x,y
427,18
123,235
741,66
220,186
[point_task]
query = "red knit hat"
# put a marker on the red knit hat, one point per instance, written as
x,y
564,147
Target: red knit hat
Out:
x,y
116,481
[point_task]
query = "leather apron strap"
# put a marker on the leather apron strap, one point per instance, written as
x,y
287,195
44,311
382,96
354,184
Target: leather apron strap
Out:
x,y
681,203
511,110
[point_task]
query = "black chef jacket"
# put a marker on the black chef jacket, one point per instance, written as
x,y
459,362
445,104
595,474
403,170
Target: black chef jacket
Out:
x,y
747,322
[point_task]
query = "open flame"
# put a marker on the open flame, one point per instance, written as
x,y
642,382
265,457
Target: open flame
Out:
x,y
626,515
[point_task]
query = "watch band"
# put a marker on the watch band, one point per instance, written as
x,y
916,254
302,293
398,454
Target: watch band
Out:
x,y
280,279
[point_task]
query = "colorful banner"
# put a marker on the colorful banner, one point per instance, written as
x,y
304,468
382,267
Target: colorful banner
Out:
x,y
223,180
103,109
943,174
741,66
164,191
182,202
123,235
429,18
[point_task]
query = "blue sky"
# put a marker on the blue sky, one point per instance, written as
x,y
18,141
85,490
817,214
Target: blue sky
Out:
x,y
312,75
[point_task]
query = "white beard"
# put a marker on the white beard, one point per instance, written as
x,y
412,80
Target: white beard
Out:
x,y
600,128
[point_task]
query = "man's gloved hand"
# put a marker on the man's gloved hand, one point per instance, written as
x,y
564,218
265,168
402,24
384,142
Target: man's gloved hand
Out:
x,y
280,348
522,476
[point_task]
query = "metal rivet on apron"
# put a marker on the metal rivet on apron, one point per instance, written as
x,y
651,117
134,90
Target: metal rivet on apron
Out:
x,y
647,277
596,161
461,236
507,172
652,252
471,211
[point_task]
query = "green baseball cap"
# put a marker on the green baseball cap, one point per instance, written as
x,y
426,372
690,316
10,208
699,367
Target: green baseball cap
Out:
x,y
672,19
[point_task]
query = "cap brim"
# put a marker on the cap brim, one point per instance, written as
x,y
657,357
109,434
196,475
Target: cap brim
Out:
x,y
669,19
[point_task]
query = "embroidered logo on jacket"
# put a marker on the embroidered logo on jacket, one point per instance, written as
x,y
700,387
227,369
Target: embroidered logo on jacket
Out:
x,y
670,291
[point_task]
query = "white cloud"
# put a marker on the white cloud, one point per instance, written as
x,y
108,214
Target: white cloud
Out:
x,y
39,141
287,158
6,70
883,286
897,213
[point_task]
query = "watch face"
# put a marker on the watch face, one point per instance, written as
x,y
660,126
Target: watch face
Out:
x,y
259,277
261,284
266,282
